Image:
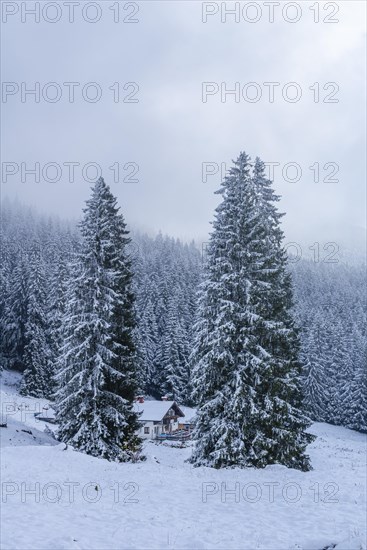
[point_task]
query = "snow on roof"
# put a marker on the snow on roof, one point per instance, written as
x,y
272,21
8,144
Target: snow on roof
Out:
x,y
154,410
189,414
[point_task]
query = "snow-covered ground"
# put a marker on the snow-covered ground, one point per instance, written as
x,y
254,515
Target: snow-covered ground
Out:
x,y
53,497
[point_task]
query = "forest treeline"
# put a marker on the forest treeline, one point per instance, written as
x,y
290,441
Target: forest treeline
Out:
x,y
37,254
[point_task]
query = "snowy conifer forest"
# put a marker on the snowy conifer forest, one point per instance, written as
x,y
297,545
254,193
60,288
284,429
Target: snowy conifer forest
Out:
x,y
183,297
98,324
39,271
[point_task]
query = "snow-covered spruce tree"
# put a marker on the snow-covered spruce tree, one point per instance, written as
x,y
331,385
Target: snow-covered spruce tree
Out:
x,y
97,377
148,338
174,358
281,403
245,357
4,295
314,383
358,399
57,289
339,372
37,378
15,314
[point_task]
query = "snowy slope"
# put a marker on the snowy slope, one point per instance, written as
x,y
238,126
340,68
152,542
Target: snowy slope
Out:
x,y
19,408
17,434
164,503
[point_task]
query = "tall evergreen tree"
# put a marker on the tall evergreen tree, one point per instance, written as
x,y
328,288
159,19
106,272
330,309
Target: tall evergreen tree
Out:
x,y
98,376
148,334
174,358
314,373
4,294
57,298
37,377
15,314
357,420
246,379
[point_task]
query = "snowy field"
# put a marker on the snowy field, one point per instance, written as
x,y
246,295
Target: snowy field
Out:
x,y
53,497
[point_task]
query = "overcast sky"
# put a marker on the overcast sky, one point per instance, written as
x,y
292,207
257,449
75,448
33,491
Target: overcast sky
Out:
x,y
171,131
